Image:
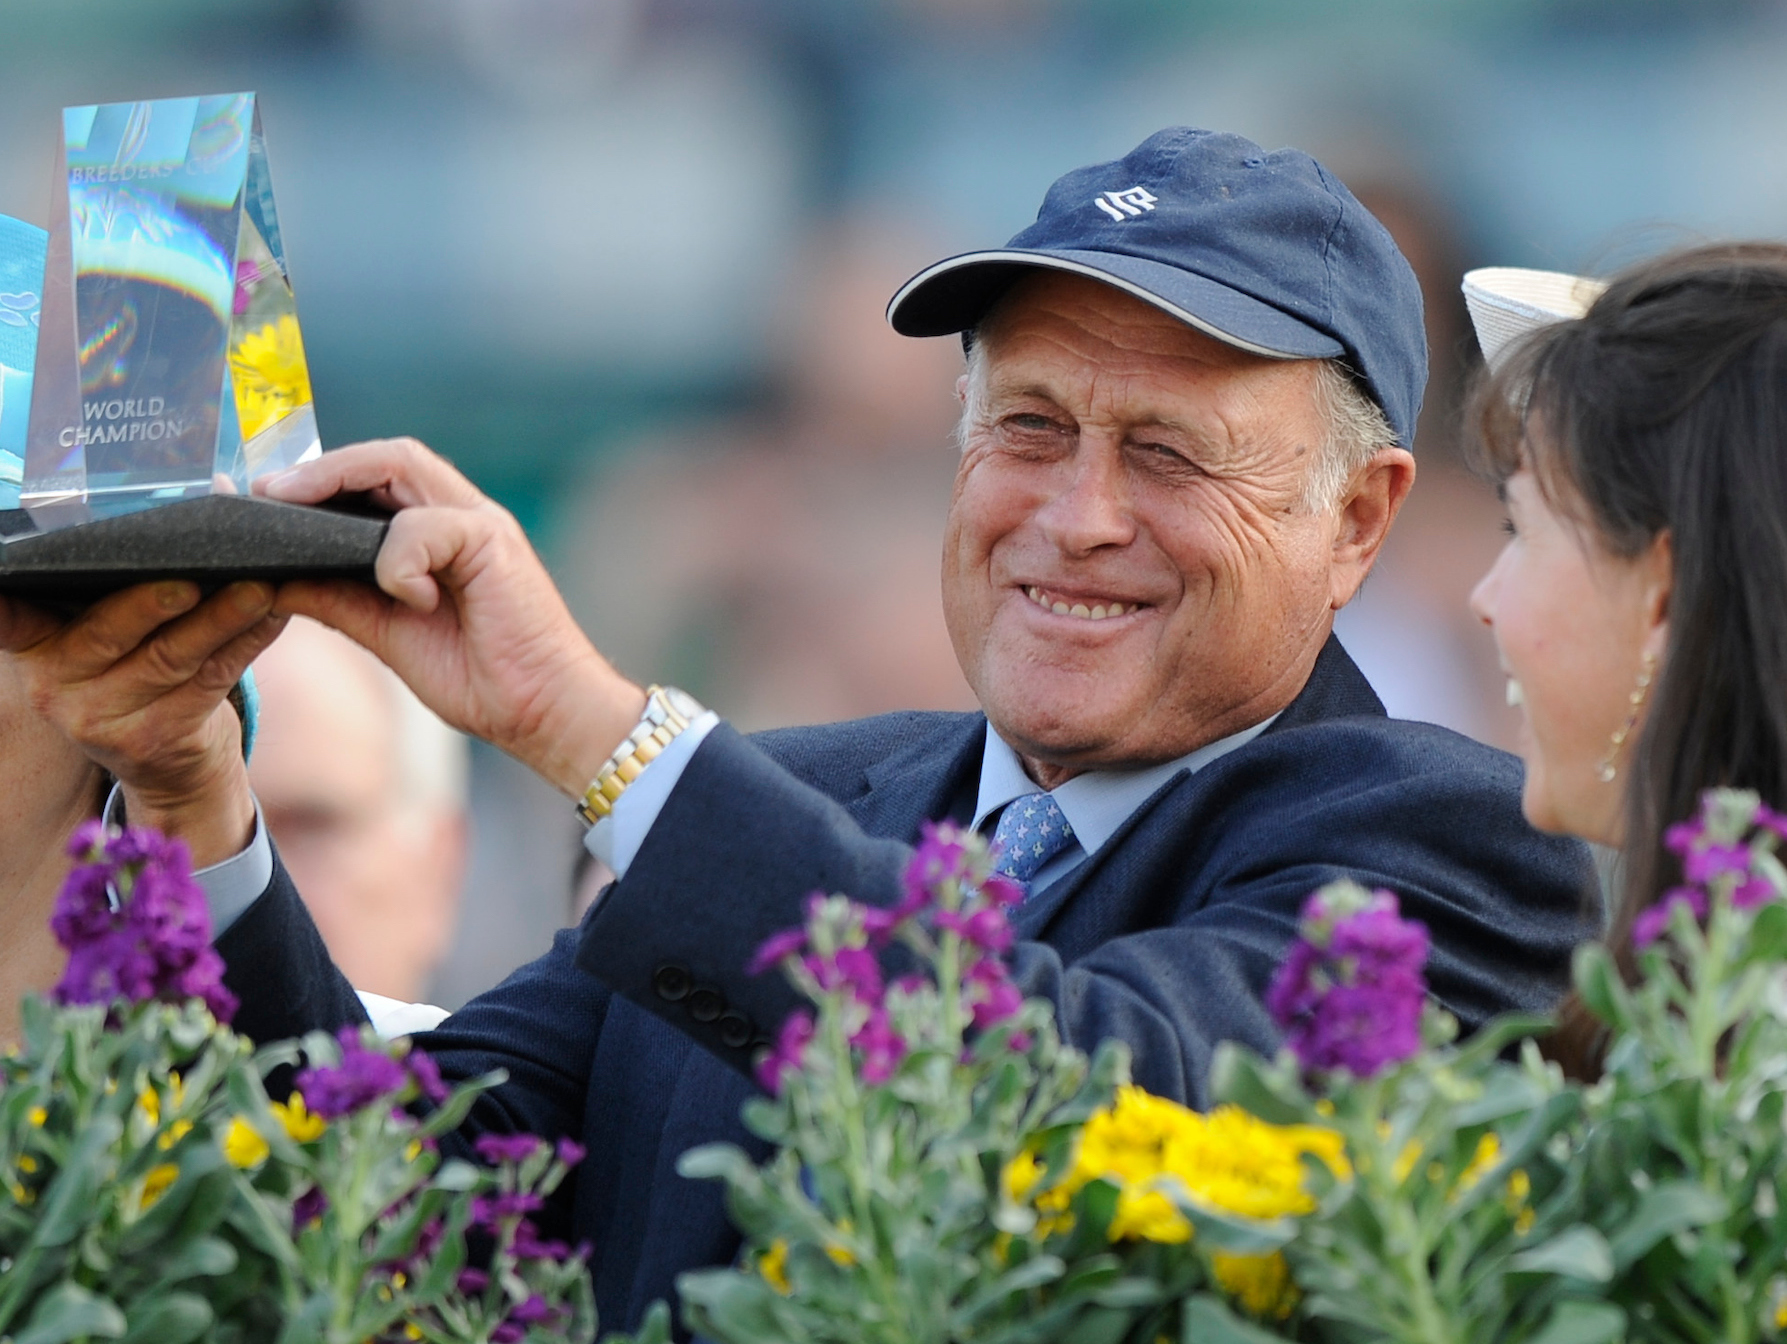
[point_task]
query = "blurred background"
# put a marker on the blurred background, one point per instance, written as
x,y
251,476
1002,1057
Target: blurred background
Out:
x,y
624,262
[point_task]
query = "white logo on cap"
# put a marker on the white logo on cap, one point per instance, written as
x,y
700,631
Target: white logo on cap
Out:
x,y
1122,205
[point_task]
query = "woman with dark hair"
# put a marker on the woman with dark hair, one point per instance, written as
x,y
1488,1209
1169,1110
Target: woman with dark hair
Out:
x,y
1640,604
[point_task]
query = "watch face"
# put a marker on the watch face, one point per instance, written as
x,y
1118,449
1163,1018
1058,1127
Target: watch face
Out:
x,y
683,703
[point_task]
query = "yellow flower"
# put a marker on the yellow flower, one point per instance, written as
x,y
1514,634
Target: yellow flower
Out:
x,y
1227,1160
773,1265
1260,1283
300,1124
412,1150
412,1331
37,1115
271,376
243,1145
839,1253
28,1164
149,1103
1487,1154
1405,1161
156,1183
1020,1177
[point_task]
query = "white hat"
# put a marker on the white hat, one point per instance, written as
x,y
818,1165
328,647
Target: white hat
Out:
x,y
1507,302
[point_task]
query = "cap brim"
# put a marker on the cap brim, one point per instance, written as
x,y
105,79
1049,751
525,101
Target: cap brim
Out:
x,y
956,293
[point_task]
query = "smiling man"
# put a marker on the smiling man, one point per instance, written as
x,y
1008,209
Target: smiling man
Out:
x,y
1191,390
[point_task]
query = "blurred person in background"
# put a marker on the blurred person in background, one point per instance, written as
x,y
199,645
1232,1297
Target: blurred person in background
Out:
x,y
794,551
364,792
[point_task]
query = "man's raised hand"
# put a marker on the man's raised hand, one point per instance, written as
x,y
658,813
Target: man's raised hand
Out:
x,y
466,613
138,681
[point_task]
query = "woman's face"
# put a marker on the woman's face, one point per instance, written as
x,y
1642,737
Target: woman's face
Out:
x,y
1573,624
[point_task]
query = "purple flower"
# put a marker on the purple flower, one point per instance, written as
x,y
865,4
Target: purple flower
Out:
x,y
362,1077
471,1282
1349,994
308,1208
942,856
784,1057
490,1212
570,1152
990,994
427,1075
156,945
1652,922
1002,891
494,1148
1683,837
882,1047
532,1311
777,948
986,927
508,1332
528,1244
1712,862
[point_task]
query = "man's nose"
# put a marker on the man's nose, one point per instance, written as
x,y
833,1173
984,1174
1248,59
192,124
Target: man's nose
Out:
x,y
1482,601
1092,507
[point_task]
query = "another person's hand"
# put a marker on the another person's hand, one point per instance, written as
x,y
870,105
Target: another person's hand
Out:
x,y
467,615
139,681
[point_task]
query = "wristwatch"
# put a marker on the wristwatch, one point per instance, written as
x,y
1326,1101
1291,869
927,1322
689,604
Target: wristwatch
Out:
x,y
668,712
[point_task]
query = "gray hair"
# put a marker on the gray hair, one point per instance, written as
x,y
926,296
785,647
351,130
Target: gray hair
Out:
x,y
1357,427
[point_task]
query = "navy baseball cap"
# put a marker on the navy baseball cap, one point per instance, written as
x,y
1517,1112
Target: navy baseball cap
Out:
x,y
1265,251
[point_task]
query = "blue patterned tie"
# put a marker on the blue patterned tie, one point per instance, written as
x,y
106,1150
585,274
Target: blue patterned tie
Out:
x,y
1031,831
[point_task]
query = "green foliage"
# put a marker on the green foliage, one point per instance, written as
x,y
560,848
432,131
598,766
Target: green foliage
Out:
x,y
147,1190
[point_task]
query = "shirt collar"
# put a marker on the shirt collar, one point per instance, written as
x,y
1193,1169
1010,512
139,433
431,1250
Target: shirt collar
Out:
x,y
1099,801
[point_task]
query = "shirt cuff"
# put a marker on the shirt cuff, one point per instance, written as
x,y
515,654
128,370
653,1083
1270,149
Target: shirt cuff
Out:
x,y
230,887
617,837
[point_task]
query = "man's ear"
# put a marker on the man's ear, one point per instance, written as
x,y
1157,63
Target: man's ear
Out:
x,y
1363,516
962,389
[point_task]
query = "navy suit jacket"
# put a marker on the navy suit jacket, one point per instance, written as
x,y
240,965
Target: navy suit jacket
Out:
x,y
636,1032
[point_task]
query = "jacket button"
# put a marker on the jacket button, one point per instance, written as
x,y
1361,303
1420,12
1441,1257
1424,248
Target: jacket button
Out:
x,y
705,1004
672,982
735,1030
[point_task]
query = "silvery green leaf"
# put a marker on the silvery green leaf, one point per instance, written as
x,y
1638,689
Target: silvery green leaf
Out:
x,y
1239,1076
68,1312
1581,1321
1205,1319
177,1318
1598,981
1577,1252
1664,1209
69,1201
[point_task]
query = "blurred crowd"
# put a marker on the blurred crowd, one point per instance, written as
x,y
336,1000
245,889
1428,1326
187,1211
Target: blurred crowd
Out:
x,y
625,262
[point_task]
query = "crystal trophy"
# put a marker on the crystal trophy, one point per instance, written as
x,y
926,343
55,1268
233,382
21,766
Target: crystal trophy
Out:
x,y
169,367
21,284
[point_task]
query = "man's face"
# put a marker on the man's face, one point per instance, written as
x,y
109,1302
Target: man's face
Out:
x,y
1119,461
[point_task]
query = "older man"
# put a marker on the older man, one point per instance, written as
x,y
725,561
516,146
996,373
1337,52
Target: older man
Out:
x,y
1190,392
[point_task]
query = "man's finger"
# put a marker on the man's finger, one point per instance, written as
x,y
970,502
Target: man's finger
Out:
x,y
114,626
224,668
23,625
180,653
397,473
357,610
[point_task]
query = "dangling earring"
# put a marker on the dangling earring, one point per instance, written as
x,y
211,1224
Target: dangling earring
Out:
x,y
1607,770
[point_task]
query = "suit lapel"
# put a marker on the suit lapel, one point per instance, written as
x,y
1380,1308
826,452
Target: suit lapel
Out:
x,y
929,780
1335,689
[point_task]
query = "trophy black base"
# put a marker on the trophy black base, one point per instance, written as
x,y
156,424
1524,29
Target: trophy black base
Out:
x,y
213,540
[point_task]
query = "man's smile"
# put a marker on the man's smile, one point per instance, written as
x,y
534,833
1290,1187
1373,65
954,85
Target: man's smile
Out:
x,y
1083,606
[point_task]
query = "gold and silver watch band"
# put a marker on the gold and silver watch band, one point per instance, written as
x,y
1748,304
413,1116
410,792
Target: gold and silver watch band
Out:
x,y
668,712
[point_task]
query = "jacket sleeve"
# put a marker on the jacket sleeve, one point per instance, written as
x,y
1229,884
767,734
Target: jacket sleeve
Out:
x,y
277,966
1172,952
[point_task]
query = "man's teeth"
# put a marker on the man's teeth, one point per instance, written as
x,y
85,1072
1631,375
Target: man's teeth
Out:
x,y
1516,696
1079,609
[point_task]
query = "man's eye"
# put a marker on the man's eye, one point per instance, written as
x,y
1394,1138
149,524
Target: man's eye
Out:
x,y
1508,528
1035,423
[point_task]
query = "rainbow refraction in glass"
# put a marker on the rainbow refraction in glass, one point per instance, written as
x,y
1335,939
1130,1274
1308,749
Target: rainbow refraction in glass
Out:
x,y
170,361
21,290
